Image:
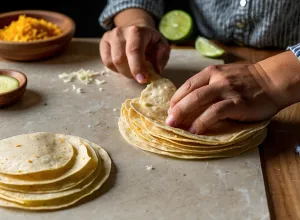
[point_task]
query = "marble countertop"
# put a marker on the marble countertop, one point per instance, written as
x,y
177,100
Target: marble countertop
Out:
x,y
231,188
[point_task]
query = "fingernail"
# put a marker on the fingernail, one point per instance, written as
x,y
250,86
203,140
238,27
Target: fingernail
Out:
x,y
169,111
192,130
170,120
140,78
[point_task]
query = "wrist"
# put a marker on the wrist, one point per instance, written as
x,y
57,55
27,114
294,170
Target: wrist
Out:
x,y
134,16
280,75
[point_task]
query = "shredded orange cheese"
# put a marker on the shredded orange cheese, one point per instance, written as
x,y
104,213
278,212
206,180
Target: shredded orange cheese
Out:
x,y
27,29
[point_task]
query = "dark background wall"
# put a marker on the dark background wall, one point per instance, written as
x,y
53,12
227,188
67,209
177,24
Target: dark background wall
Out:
x,y
84,12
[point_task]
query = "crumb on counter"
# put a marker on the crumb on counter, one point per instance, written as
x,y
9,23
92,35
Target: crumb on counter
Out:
x,y
100,82
149,167
79,90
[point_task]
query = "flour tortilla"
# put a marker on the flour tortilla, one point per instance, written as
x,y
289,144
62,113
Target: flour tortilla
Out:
x,y
32,153
131,137
62,202
81,159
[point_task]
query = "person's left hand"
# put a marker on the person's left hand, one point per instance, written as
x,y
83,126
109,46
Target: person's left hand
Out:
x,y
237,91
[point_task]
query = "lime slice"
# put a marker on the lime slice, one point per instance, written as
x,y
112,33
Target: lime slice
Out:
x,y
208,48
176,25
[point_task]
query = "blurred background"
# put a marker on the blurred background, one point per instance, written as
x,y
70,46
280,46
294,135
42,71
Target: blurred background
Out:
x,y
84,12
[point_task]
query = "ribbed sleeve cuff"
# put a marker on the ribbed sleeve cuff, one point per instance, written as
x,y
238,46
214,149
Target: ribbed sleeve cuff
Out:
x,y
295,49
155,7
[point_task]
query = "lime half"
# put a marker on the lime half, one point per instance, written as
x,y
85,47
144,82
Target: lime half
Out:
x,y
176,25
208,48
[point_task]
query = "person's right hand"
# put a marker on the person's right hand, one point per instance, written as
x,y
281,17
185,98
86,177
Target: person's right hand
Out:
x,y
126,49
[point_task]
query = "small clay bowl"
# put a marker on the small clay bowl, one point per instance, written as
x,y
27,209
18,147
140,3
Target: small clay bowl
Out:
x,y
15,95
40,49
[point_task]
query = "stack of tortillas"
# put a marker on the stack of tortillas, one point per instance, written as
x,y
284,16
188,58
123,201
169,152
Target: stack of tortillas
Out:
x,y
142,124
43,171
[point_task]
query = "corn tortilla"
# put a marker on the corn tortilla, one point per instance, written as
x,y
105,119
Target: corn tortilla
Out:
x,y
131,137
32,153
81,159
66,198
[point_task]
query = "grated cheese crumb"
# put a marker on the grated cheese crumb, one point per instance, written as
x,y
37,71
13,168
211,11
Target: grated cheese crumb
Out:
x,y
74,87
89,126
106,69
85,76
150,167
101,89
115,109
79,90
100,82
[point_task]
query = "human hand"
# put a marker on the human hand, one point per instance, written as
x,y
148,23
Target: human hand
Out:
x,y
235,91
126,49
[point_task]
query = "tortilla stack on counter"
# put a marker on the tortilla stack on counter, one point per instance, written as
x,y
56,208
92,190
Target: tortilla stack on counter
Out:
x,y
43,171
142,124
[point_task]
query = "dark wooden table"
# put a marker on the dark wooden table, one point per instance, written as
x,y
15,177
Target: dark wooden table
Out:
x,y
280,163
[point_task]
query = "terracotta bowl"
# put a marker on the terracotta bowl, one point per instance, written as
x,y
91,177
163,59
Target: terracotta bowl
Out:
x,y
35,50
13,96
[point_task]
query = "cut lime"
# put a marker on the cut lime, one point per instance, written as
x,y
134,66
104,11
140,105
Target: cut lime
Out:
x,y
176,25
208,48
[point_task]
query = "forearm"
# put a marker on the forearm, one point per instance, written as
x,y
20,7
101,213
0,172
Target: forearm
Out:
x,y
134,16
282,74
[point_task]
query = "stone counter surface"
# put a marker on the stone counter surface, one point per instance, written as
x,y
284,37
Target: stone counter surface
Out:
x,y
231,188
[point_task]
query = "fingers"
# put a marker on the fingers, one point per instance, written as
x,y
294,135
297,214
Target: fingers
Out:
x,y
135,52
162,54
159,54
118,55
192,103
197,81
213,114
124,50
106,55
